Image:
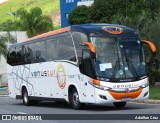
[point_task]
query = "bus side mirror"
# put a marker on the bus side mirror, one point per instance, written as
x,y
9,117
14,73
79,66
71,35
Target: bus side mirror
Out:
x,y
151,45
87,64
86,54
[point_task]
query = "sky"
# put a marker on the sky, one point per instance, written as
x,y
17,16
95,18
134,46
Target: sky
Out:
x,y
1,1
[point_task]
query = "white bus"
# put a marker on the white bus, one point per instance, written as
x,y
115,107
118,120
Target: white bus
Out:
x,y
88,63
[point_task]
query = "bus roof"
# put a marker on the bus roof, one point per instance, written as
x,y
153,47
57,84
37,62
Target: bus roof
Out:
x,y
104,29
50,33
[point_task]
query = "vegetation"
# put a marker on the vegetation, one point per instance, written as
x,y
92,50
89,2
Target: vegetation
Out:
x,y
4,39
154,92
141,15
80,15
49,8
34,22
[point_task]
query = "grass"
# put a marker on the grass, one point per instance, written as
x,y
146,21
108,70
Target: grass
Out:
x,y
49,7
154,92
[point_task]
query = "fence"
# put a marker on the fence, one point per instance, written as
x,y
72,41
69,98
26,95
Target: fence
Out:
x,y
3,80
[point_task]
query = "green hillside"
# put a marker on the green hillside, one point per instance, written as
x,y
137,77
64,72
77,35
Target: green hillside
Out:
x,y
49,7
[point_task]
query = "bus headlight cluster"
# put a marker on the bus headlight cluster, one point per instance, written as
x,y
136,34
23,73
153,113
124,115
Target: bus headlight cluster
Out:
x,y
145,85
104,88
99,86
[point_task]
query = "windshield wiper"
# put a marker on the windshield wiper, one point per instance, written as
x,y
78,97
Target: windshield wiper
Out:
x,y
130,65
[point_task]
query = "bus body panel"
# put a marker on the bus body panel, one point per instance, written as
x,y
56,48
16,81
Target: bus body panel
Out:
x,y
45,79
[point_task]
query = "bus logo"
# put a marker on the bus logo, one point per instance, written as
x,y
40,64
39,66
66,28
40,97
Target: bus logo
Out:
x,y
112,29
126,90
61,76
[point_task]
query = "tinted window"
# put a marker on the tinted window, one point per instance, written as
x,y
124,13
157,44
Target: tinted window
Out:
x,y
52,49
66,48
79,37
29,53
20,55
11,56
39,52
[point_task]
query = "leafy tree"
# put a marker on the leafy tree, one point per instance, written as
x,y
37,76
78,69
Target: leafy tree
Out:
x,y
107,10
154,32
80,15
4,39
9,25
34,22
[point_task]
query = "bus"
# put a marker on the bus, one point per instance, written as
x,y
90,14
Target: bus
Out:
x,y
80,64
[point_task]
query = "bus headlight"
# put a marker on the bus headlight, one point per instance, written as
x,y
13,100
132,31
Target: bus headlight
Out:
x,y
145,85
104,88
96,84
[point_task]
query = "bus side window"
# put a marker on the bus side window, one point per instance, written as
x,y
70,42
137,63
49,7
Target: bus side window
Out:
x,y
12,54
8,57
66,49
20,55
52,49
29,54
79,37
39,52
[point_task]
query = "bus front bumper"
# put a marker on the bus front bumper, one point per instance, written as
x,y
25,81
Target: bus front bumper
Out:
x,y
103,97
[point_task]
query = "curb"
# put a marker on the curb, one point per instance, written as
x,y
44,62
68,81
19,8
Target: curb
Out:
x,y
4,95
149,101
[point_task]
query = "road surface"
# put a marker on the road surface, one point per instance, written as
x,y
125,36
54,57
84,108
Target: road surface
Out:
x,y
12,106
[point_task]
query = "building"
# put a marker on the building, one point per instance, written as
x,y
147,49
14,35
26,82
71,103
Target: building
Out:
x,y
66,6
21,36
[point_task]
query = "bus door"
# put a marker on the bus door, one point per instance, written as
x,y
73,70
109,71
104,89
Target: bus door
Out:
x,y
88,71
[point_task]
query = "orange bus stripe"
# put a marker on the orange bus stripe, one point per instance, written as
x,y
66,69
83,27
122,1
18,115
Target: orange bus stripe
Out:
x,y
50,33
119,96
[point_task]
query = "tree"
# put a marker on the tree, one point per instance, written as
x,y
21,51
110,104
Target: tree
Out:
x,y
4,39
80,15
9,25
154,33
34,22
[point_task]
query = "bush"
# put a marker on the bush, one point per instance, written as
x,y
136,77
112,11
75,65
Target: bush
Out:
x,y
153,71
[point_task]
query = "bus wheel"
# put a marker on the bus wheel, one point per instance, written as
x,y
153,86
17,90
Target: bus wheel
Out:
x,y
74,99
119,104
25,97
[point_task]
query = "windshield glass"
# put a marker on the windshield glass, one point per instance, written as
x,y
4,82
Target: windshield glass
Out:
x,y
119,58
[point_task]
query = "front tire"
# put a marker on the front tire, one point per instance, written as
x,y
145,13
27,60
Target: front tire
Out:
x,y
74,100
25,97
119,104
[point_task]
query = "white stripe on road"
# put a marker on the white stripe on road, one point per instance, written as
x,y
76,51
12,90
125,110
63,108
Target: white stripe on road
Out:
x,y
21,113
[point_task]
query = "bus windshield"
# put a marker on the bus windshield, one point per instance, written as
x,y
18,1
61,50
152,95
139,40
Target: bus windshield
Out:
x,y
119,58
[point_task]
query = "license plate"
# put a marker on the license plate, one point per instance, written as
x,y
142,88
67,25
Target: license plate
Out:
x,y
126,99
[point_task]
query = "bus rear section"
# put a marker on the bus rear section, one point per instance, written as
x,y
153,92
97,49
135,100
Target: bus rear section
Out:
x,y
103,63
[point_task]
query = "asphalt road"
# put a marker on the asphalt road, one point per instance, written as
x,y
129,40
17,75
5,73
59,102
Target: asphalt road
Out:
x,y
12,106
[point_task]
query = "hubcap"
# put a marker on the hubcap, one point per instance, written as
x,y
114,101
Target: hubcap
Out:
x,y
75,98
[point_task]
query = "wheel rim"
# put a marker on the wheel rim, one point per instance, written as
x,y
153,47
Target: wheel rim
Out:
x,y
25,97
75,98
